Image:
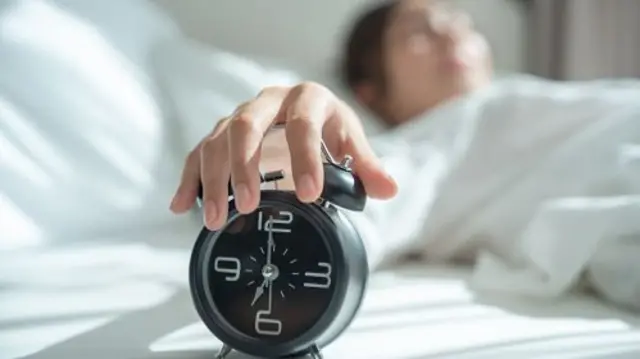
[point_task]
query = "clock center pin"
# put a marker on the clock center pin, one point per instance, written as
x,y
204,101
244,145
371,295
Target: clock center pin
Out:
x,y
270,272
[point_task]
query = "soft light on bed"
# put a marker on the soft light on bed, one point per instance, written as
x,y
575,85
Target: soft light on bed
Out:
x,y
17,230
59,294
415,314
44,158
50,29
13,341
93,93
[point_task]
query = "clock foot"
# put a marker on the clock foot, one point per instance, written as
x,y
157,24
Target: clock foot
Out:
x,y
222,354
315,353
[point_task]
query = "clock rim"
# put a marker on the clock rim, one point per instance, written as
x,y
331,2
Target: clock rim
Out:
x,y
226,333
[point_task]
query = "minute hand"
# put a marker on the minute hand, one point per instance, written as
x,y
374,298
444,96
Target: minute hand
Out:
x,y
270,243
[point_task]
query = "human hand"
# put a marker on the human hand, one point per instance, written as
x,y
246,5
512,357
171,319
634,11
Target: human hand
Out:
x,y
310,113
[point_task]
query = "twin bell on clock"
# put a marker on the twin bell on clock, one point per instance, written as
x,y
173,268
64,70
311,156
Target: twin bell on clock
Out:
x,y
288,278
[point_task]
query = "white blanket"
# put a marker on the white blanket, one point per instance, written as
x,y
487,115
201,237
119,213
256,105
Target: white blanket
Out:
x,y
538,181
534,179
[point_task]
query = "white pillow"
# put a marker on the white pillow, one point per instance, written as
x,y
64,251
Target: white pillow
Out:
x,y
99,103
206,84
82,138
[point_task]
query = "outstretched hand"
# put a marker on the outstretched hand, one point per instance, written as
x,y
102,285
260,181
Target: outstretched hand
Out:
x,y
310,113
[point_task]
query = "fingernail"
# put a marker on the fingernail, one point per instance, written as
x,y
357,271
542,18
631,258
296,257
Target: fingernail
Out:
x,y
390,177
210,213
174,202
305,187
242,195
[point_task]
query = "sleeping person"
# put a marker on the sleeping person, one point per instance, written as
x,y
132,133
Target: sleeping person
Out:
x,y
535,182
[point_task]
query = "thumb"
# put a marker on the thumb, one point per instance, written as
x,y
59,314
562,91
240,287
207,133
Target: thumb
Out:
x,y
377,182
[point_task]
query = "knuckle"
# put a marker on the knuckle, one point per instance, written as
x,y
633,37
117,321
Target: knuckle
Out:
x,y
220,125
207,144
301,122
238,167
270,90
314,88
243,123
241,108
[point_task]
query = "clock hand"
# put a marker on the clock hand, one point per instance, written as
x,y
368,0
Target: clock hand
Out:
x,y
270,243
259,291
266,282
270,296
270,246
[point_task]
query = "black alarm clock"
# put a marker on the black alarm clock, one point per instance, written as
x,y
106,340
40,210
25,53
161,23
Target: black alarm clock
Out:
x,y
288,278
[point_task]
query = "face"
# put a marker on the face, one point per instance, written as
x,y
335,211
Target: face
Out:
x,y
271,274
432,53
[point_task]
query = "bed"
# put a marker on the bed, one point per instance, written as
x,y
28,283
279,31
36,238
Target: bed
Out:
x,y
92,265
126,296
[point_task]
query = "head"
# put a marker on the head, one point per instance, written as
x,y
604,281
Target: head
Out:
x,y
404,57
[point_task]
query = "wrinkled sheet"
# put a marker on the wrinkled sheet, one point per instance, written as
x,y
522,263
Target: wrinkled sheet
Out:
x,y
536,182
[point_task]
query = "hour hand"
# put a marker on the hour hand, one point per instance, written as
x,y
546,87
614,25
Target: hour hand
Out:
x,y
259,292
270,242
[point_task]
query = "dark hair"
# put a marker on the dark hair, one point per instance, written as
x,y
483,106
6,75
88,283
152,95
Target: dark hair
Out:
x,y
363,58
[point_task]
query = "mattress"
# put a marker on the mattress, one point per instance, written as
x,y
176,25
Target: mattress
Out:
x,y
126,296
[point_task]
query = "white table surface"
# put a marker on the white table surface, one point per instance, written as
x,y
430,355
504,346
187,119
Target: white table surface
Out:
x,y
127,297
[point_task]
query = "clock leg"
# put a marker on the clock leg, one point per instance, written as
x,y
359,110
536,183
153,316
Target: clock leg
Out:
x,y
222,354
314,353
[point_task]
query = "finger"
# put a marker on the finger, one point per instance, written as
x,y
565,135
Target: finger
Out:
x,y
307,108
187,191
245,134
215,172
378,183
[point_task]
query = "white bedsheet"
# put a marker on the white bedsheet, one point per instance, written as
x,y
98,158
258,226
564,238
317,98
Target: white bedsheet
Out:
x,y
127,297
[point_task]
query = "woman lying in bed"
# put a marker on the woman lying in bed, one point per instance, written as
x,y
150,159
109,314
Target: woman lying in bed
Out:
x,y
535,181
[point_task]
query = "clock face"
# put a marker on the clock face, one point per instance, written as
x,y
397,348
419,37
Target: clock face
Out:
x,y
271,274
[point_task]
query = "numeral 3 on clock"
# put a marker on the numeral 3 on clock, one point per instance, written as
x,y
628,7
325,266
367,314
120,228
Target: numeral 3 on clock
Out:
x,y
320,279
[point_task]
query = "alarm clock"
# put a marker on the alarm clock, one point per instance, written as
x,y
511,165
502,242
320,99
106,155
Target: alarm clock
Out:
x,y
288,278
